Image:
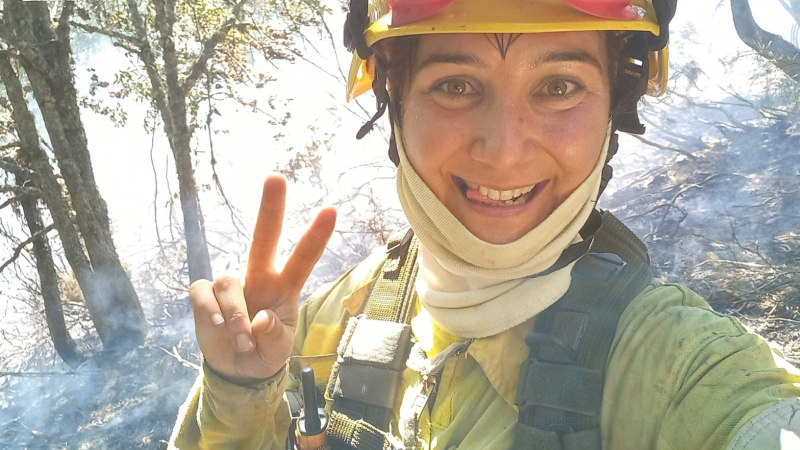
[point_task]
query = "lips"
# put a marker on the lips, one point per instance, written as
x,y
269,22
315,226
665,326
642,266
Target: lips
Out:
x,y
479,195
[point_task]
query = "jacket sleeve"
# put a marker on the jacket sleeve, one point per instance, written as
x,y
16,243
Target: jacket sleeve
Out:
x,y
222,415
686,377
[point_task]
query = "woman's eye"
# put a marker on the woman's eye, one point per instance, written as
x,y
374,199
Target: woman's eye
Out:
x,y
562,88
455,88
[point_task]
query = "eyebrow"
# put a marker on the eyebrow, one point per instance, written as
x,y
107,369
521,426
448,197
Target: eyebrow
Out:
x,y
576,56
450,58
547,58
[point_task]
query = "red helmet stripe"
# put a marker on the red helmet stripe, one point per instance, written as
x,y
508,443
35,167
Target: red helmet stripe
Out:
x,y
607,9
409,11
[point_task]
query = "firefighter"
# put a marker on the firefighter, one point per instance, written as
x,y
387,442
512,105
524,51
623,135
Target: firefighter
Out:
x,y
512,313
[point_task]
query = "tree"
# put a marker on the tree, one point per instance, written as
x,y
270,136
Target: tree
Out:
x,y
194,51
45,266
44,55
780,52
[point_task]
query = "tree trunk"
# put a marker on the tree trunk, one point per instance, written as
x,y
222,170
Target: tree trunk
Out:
x,y
194,228
48,279
171,104
117,306
119,323
33,156
777,50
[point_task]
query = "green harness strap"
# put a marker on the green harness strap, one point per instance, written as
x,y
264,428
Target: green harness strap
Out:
x,y
560,386
366,377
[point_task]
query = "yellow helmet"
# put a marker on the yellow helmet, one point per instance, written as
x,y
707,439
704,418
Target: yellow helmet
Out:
x,y
392,18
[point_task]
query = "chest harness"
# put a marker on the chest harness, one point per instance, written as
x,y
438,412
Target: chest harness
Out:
x,y
560,387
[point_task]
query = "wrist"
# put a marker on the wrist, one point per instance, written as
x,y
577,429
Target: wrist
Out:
x,y
242,381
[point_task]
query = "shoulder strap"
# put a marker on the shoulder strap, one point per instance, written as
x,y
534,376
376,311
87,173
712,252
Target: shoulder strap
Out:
x,y
367,376
560,386
392,296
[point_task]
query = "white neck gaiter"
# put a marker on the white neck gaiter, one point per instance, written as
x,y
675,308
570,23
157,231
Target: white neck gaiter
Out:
x,y
473,288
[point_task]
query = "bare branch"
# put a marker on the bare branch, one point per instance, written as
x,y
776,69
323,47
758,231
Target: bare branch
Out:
x,y
777,50
12,166
24,244
148,59
21,190
105,32
44,374
664,147
10,145
210,46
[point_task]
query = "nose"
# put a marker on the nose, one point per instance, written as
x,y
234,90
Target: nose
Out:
x,y
506,136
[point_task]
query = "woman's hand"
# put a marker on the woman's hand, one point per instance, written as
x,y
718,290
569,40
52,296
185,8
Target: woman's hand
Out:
x,y
247,332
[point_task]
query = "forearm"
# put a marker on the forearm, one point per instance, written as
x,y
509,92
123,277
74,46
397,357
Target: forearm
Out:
x,y
222,415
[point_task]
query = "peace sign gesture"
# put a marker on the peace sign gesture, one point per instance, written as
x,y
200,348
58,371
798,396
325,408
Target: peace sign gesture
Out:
x,y
247,332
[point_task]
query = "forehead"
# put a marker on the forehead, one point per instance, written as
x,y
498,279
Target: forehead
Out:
x,y
496,47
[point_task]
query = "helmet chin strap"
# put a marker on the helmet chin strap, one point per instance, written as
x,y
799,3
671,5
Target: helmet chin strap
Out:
x,y
608,171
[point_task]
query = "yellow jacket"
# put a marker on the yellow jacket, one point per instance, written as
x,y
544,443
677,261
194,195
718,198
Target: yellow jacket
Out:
x,y
679,377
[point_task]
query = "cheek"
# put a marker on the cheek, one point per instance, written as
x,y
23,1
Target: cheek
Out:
x,y
575,139
433,137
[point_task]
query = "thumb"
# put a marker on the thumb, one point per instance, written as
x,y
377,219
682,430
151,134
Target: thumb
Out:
x,y
274,339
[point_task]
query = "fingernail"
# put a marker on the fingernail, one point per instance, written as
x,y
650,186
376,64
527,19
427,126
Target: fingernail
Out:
x,y
260,314
243,342
217,319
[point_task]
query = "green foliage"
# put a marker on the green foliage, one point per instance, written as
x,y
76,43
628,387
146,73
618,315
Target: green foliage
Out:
x,y
264,32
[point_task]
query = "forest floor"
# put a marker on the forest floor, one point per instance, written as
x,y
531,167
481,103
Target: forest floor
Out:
x,y
721,216
126,401
726,223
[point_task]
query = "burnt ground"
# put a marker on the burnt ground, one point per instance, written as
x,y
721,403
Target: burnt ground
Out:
x,y
126,401
726,222
721,216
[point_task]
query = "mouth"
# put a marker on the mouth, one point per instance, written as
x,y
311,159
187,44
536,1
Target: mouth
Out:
x,y
484,195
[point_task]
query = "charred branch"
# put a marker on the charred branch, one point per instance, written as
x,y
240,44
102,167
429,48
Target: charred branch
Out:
x,y
665,147
777,50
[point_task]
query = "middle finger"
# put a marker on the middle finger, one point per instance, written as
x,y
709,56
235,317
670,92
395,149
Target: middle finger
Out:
x,y
268,225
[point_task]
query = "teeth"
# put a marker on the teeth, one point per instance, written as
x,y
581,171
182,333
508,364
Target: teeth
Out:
x,y
499,195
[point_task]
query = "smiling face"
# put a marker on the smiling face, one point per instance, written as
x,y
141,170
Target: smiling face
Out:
x,y
502,141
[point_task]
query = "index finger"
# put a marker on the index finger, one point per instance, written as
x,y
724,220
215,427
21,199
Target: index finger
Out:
x,y
268,225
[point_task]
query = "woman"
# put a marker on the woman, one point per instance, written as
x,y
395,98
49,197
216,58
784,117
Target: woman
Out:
x,y
516,316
